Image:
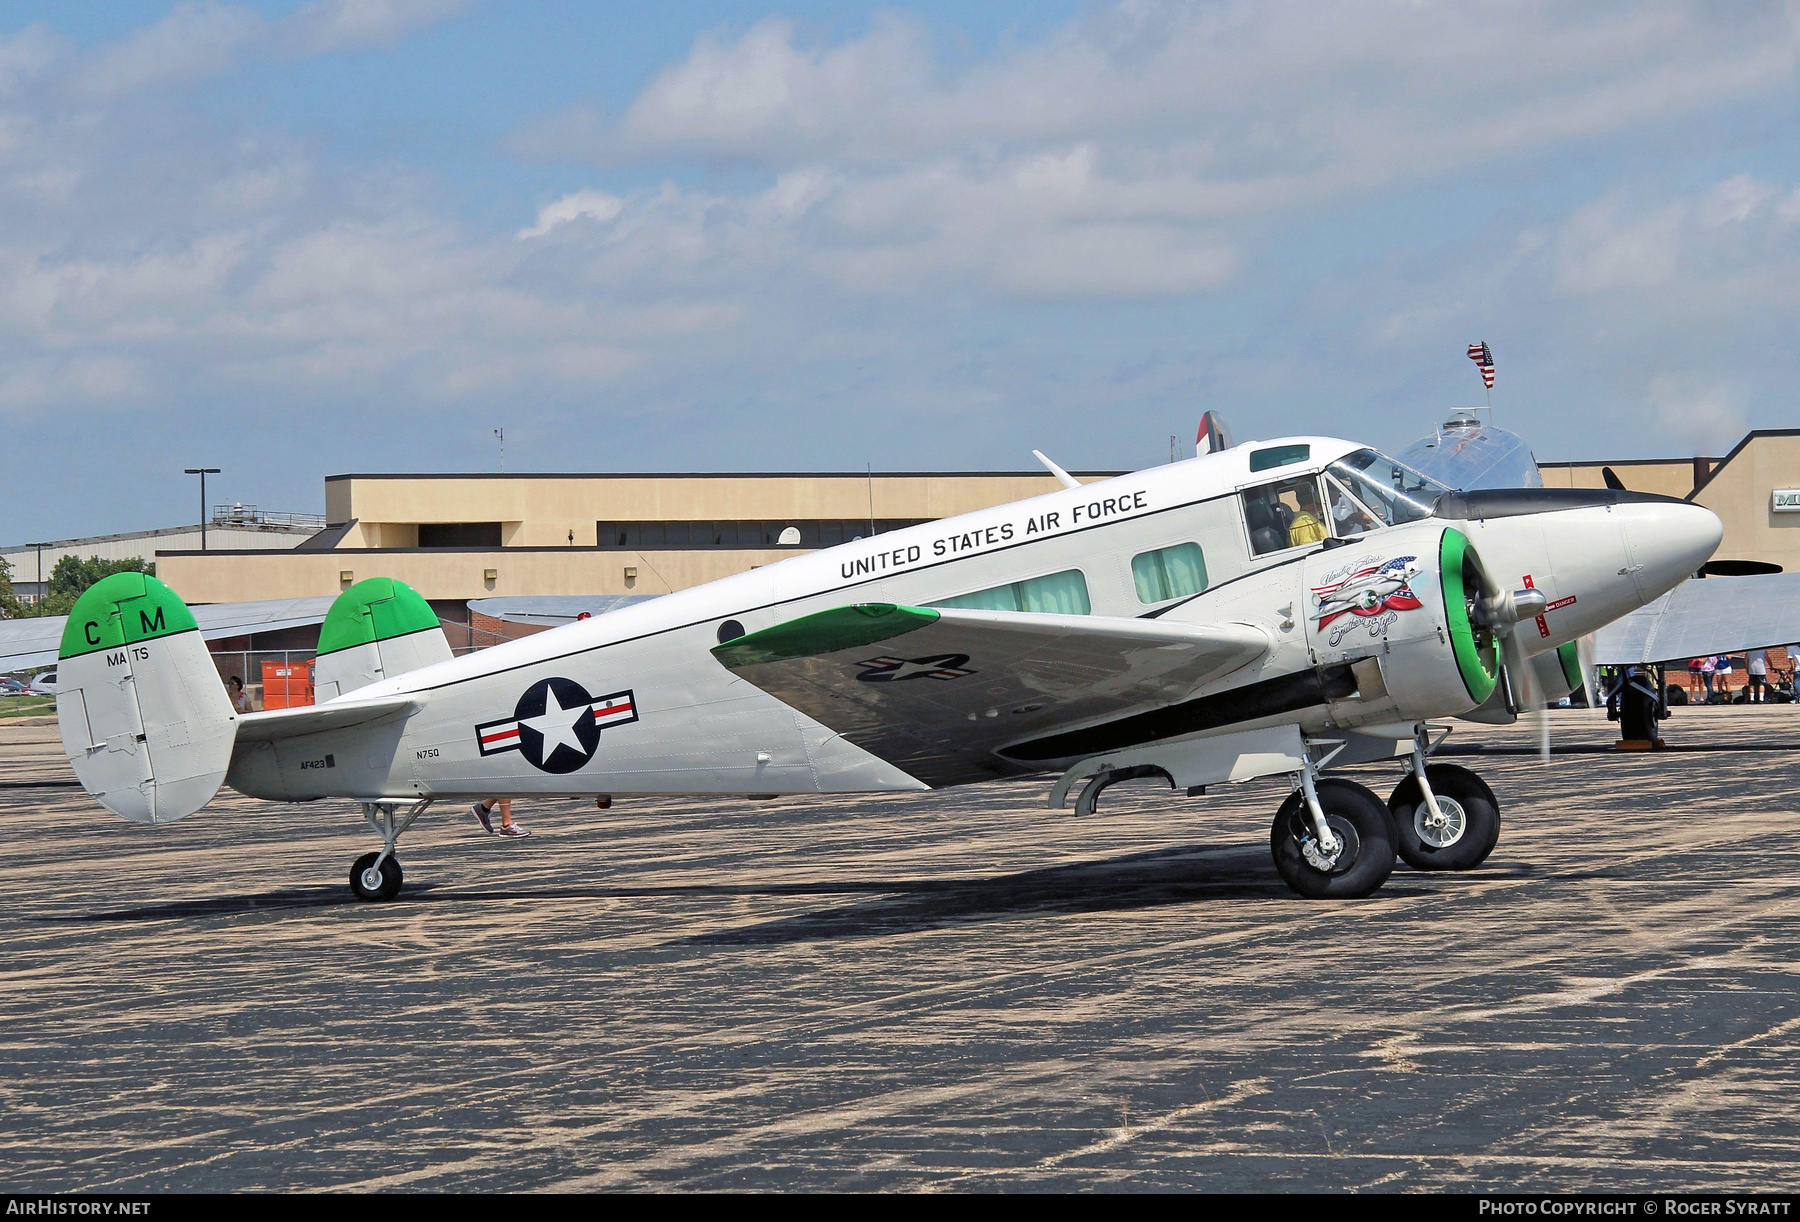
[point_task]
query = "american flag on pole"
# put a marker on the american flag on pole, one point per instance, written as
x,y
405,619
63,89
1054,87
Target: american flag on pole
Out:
x,y
1479,353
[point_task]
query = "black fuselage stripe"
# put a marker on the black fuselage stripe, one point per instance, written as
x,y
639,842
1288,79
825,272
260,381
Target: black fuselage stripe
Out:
x,y
1268,698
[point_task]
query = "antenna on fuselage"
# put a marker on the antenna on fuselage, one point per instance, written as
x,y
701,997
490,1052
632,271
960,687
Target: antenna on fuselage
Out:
x,y
1068,481
1213,435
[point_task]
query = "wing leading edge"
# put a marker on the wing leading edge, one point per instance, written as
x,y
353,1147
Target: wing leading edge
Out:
x,y
1698,618
935,691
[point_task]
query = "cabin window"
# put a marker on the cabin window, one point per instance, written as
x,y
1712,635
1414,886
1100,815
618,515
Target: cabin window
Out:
x,y
1278,456
1284,514
1169,572
1058,594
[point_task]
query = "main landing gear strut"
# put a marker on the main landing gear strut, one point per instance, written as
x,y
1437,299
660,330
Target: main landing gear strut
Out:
x,y
1335,839
377,876
1445,817
1332,838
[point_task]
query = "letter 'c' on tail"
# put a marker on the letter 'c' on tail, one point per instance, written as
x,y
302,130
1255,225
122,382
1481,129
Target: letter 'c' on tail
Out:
x,y
145,721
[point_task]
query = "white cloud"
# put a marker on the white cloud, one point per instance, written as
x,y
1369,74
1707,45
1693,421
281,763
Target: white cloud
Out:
x,y
1708,418
1129,153
25,56
595,205
1724,241
195,40
884,207
344,25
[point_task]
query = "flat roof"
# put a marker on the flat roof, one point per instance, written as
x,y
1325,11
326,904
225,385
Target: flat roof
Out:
x,y
717,475
1737,449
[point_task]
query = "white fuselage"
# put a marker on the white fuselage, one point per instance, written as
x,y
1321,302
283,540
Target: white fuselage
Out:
x,y
671,719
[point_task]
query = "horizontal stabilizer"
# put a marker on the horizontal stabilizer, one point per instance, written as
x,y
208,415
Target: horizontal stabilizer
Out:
x,y
273,725
935,691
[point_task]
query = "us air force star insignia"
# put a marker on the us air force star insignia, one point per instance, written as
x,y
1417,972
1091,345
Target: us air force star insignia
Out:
x,y
556,725
893,670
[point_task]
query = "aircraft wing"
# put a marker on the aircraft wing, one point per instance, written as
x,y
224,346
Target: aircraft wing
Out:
x,y
1714,615
32,641
554,610
934,691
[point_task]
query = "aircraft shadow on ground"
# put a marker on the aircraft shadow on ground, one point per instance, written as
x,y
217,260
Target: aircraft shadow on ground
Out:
x,y
1141,880
1183,875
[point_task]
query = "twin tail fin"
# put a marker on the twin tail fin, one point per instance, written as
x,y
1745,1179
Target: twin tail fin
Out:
x,y
375,630
145,720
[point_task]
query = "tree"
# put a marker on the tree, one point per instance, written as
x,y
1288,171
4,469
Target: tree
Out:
x,y
10,608
72,576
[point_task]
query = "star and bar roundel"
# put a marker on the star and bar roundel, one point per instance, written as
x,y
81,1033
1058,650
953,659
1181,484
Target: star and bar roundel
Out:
x,y
556,725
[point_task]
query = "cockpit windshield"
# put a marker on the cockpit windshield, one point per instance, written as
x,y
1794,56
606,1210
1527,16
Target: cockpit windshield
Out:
x,y
1391,492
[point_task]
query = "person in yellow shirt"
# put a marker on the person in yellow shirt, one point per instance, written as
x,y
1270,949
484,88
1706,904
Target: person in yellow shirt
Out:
x,y
1308,525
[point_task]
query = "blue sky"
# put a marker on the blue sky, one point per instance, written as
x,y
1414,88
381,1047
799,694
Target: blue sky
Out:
x,y
291,240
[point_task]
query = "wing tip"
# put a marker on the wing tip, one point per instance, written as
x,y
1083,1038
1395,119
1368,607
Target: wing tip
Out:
x,y
847,627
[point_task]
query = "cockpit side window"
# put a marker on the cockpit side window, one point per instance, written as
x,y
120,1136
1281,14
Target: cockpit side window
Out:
x,y
1284,514
1348,515
1393,493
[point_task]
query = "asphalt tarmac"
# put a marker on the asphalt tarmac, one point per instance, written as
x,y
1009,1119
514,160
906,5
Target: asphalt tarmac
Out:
x,y
959,991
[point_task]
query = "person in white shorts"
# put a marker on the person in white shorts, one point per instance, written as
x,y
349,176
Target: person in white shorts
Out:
x,y
1757,663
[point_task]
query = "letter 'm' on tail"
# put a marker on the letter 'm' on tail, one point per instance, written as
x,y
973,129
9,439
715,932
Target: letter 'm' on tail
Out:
x,y
375,630
145,720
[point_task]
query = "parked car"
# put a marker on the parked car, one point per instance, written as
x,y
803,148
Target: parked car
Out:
x,y
43,684
11,687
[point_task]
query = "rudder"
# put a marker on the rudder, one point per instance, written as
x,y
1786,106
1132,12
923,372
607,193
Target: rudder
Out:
x,y
145,721
376,629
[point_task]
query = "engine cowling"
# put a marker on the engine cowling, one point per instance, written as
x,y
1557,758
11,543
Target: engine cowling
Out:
x,y
1398,608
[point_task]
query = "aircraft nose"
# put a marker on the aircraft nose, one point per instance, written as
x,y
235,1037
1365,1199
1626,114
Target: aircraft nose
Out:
x,y
1667,541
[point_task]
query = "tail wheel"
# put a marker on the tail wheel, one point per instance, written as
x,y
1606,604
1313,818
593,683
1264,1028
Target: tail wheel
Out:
x,y
1471,825
371,884
1363,828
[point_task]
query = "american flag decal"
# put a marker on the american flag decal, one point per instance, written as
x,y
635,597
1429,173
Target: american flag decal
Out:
x,y
1484,358
615,710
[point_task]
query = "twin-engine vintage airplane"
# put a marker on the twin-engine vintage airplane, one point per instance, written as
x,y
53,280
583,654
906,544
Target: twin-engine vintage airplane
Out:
x,y
1268,608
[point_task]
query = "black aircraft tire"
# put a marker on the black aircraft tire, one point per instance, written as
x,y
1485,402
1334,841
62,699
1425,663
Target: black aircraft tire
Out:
x,y
1480,811
1356,816
391,878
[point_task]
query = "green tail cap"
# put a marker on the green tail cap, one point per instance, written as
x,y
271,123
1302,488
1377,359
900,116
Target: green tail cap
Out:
x,y
849,627
378,609
120,610
1474,662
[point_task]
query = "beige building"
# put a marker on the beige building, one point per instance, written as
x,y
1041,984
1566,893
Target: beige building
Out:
x,y
1741,489
461,537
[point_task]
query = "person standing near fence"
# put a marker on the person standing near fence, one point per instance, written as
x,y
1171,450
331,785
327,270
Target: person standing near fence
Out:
x,y
240,699
1756,664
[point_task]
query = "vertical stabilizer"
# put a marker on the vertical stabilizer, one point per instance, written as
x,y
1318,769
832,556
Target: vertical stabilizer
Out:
x,y
375,630
145,720
1212,437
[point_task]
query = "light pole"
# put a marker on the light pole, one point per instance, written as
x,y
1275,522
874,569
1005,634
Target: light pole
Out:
x,y
202,472
39,604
